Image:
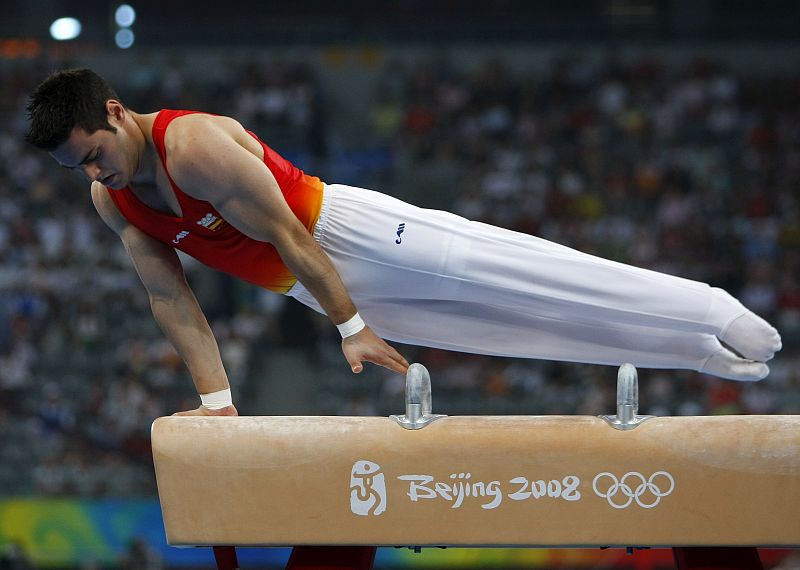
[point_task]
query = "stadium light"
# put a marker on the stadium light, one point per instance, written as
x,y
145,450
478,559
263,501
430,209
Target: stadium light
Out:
x,y
125,16
124,38
65,29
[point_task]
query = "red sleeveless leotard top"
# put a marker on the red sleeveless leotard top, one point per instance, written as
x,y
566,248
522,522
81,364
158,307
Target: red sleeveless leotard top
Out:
x,y
203,233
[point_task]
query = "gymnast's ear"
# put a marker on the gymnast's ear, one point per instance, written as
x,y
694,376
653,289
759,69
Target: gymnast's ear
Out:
x,y
116,111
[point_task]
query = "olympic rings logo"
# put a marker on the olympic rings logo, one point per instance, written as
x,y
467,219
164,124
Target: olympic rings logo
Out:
x,y
630,494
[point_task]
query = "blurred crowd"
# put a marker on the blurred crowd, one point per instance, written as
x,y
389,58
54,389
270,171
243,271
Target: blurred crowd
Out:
x,y
690,169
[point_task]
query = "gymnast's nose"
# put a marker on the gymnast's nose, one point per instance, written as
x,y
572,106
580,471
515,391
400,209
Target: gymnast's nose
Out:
x,y
92,172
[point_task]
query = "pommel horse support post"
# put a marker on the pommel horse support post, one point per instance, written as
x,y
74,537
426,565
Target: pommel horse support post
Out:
x,y
424,480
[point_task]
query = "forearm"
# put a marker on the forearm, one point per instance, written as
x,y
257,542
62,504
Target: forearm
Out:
x,y
186,328
311,265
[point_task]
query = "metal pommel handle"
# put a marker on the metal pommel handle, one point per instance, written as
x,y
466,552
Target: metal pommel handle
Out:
x,y
627,393
418,399
627,400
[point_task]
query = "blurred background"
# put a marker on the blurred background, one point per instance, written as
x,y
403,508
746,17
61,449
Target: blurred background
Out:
x,y
660,134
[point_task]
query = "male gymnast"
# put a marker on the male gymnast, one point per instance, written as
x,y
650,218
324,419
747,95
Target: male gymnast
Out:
x,y
202,184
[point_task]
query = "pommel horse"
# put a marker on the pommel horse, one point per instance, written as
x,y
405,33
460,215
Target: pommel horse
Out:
x,y
727,482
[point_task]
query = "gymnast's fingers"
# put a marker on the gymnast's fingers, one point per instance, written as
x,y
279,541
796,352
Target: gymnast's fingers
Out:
x,y
386,356
400,364
388,361
366,345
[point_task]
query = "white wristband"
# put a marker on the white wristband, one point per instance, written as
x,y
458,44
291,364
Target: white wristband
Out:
x,y
351,327
217,400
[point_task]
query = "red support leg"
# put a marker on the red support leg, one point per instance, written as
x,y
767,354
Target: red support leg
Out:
x,y
717,558
332,558
226,558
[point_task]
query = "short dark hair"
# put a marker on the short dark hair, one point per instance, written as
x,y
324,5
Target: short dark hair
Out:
x,y
67,99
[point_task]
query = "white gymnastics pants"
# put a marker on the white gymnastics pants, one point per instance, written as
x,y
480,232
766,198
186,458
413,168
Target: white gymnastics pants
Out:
x,y
432,278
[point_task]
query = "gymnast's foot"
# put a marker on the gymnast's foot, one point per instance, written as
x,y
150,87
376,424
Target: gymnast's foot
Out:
x,y
726,364
744,331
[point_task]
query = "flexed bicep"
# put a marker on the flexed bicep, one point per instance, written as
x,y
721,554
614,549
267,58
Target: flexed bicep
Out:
x,y
208,163
156,263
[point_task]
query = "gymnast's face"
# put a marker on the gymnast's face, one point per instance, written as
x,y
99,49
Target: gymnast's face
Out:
x,y
111,158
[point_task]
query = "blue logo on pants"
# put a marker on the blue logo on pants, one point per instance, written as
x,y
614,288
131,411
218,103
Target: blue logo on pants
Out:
x,y
400,229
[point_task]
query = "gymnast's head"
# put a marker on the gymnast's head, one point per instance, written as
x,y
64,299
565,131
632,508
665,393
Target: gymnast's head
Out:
x,y
76,116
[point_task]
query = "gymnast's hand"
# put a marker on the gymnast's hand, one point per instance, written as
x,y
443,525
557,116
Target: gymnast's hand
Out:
x,y
203,411
366,345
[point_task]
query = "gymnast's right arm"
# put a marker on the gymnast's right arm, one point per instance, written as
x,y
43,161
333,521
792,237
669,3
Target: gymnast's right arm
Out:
x,y
172,301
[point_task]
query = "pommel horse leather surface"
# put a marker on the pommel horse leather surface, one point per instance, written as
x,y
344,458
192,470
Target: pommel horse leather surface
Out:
x,y
479,481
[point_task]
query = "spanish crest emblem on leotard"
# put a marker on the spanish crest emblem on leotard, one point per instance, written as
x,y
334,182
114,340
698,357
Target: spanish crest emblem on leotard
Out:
x,y
211,222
